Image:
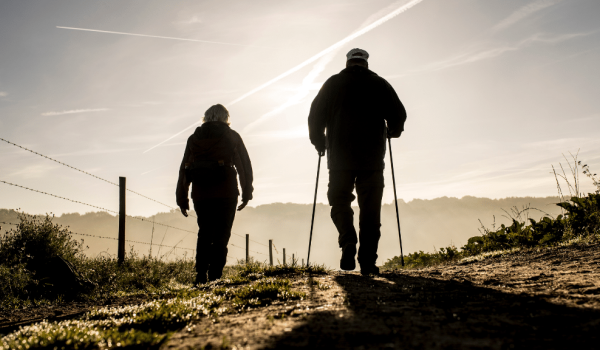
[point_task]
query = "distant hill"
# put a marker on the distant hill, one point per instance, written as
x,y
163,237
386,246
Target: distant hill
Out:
x,y
425,224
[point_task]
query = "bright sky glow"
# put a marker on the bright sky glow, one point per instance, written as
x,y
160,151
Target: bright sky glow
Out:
x,y
496,91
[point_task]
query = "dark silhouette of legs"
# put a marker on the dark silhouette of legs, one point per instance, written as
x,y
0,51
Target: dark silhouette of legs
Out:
x,y
215,219
369,189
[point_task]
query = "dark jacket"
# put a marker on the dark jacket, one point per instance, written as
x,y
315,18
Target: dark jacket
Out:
x,y
213,142
352,108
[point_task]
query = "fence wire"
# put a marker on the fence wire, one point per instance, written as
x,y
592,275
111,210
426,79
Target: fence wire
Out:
x,y
250,239
252,251
53,195
115,239
97,207
85,172
108,210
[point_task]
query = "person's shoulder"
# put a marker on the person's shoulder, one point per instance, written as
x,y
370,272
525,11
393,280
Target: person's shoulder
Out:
x,y
380,80
234,134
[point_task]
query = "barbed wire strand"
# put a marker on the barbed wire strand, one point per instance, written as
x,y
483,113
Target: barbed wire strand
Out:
x,y
92,175
97,207
112,238
160,224
231,244
53,195
250,239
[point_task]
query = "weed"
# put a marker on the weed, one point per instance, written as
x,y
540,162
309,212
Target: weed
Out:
x,y
262,292
580,219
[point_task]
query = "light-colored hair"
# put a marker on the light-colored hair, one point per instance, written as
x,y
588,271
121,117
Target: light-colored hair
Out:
x,y
216,113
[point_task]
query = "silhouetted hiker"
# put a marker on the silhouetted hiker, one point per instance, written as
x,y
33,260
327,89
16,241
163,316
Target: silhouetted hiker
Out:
x,y
208,163
352,108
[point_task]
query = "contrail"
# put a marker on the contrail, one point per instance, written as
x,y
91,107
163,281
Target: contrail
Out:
x,y
316,57
159,37
179,133
329,49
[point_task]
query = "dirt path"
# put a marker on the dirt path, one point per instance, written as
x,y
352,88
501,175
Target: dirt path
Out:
x,y
544,300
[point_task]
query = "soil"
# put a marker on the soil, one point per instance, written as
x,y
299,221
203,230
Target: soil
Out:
x,y
546,299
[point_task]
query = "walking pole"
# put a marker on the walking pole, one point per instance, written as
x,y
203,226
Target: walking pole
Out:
x,y
312,221
396,200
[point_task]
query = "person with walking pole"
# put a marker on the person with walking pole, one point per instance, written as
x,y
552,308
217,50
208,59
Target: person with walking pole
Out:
x,y
348,120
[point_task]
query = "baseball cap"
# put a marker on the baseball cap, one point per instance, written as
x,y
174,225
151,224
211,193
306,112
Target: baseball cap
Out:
x,y
357,53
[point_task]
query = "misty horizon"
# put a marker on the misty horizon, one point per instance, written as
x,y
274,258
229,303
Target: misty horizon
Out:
x,y
426,225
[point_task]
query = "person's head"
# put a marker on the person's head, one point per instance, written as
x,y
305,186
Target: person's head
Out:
x,y
216,113
357,57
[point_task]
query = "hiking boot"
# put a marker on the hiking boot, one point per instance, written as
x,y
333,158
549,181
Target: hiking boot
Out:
x,y
347,263
369,270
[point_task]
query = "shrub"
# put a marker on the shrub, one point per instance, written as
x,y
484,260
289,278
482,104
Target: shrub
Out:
x,y
36,240
581,218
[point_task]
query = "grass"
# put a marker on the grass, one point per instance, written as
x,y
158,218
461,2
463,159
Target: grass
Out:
x,y
150,324
580,222
172,302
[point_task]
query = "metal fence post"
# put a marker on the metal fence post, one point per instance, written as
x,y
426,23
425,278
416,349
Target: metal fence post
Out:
x,y
284,257
122,216
271,252
247,248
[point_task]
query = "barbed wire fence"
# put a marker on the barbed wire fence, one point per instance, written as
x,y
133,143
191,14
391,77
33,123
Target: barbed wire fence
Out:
x,y
118,214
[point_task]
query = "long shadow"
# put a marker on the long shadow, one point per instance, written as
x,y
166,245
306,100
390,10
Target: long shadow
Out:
x,y
404,312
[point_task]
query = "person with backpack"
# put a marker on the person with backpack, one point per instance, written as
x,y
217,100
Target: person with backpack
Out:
x,y
214,156
348,119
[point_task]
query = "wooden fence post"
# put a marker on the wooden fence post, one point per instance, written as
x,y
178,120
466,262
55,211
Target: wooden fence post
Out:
x,y
122,216
271,252
284,257
247,248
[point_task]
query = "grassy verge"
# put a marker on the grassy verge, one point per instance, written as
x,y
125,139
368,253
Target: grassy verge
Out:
x,y
173,308
579,223
172,302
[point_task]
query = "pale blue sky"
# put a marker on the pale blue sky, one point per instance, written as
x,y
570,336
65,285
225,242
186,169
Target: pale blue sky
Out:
x,y
496,91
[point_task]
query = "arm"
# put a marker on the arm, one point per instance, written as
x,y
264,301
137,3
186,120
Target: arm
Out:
x,y
243,165
317,120
183,184
395,113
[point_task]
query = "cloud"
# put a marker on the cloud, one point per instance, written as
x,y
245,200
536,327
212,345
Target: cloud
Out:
x,y
75,111
3,94
524,12
475,55
194,20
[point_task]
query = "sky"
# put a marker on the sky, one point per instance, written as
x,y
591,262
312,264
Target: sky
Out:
x,y
496,92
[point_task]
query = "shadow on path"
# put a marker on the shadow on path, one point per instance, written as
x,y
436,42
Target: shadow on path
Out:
x,y
404,312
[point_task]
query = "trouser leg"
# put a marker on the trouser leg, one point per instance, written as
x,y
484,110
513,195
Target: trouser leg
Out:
x,y
215,218
204,239
369,189
339,194
218,257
